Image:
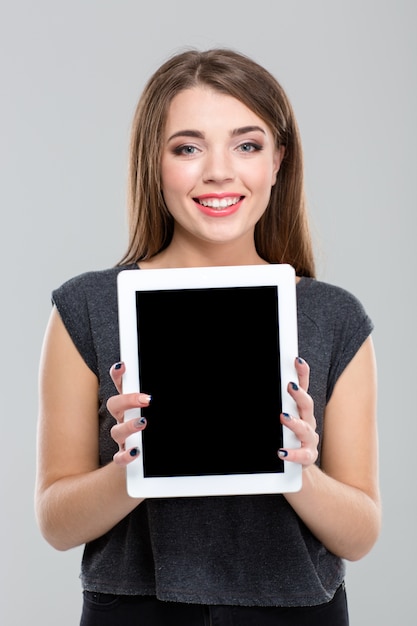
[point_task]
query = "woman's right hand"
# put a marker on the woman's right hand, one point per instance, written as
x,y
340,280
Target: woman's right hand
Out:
x,y
117,405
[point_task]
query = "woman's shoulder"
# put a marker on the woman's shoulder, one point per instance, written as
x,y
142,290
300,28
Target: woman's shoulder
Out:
x,y
316,294
93,281
330,308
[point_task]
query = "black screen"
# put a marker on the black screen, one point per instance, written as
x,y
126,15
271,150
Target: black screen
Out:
x,y
210,359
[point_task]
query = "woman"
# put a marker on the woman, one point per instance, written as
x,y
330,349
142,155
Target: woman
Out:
x,y
216,179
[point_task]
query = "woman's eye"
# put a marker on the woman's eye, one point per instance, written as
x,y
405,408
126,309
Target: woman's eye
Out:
x,y
250,146
185,150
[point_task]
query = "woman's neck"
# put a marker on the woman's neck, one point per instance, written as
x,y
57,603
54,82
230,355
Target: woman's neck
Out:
x,y
204,256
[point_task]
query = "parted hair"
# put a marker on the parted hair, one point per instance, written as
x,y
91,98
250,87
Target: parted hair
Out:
x,y
282,234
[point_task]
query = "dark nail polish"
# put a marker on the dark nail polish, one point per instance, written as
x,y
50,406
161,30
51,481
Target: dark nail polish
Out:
x,y
134,452
294,386
282,453
117,366
287,416
141,421
300,360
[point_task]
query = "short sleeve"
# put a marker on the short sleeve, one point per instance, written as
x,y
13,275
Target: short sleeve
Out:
x,y
332,326
71,302
351,327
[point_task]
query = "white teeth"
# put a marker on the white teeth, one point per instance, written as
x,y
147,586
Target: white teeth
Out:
x,y
217,203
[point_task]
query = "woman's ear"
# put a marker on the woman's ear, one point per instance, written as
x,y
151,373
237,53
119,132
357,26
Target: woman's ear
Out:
x,y
278,157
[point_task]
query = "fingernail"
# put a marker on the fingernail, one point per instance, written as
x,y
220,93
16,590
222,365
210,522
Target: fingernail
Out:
x,y
117,366
300,360
287,416
282,453
294,386
141,421
134,452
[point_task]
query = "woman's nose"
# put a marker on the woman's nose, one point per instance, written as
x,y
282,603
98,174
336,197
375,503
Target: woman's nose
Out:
x,y
218,166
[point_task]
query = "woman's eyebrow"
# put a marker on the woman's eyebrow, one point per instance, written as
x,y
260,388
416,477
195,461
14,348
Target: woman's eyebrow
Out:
x,y
246,129
187,133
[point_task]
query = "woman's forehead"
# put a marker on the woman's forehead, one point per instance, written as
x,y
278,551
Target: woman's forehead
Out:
x,y
203,107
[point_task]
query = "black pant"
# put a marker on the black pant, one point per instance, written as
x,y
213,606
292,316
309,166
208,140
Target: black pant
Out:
x,y
109,610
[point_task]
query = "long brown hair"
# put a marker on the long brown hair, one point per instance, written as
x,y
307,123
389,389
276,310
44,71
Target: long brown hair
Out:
x,y
282,234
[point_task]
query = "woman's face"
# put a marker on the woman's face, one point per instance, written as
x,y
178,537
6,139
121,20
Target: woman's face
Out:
x,y
219,162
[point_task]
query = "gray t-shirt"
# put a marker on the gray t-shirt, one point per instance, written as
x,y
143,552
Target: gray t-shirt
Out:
x,y
239,550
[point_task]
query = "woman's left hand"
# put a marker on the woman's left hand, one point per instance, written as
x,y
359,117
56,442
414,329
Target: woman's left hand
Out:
x,y
304,426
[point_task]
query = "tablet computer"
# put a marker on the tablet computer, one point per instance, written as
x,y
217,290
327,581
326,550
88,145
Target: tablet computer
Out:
x,y
215,348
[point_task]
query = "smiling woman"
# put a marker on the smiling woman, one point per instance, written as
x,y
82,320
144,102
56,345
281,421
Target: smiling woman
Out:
x,y
219,160
282,233
215,179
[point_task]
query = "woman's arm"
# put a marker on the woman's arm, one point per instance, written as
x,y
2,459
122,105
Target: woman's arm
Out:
x,y
76,500
340,503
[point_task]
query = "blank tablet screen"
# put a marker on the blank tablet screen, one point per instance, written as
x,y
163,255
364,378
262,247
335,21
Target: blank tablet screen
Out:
x,y
210,359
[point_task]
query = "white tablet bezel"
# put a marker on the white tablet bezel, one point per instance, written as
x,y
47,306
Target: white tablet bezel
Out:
x,y
280,275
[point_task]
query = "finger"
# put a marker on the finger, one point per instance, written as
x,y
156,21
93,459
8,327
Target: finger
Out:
x,y
120,432
306,434
303,372
123,458
116,372
119,404
302,429
304,402
303,456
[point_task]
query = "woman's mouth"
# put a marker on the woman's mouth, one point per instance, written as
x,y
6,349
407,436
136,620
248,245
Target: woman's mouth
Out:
x,y
222,206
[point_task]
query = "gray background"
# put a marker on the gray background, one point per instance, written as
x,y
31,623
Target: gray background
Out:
x,y
71,72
